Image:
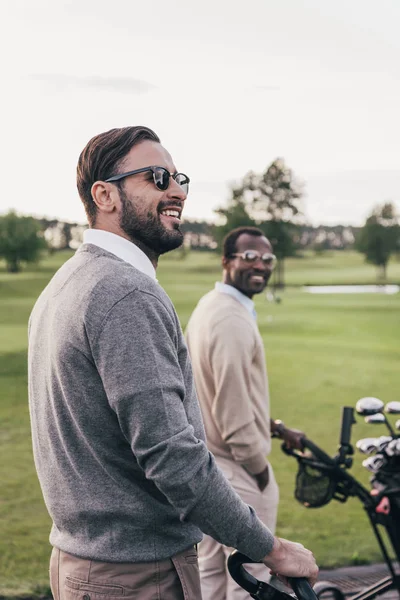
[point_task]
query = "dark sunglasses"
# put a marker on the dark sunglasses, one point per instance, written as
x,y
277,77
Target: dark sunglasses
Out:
x,y
161,177
250,256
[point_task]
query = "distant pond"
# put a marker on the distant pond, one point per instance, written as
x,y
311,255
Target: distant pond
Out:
x,y
352,289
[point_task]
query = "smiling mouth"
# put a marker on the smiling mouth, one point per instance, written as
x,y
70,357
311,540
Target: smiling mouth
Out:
x,y
257,278
171,212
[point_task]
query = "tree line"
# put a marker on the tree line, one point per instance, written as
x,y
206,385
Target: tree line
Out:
x,y
271,200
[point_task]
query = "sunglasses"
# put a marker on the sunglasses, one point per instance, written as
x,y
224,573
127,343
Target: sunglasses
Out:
x,y
161,178
250,256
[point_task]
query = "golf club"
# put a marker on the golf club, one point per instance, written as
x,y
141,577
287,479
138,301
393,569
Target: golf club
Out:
x,y
369,406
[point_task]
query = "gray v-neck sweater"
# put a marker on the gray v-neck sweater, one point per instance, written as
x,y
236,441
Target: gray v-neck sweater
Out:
x,y
117,433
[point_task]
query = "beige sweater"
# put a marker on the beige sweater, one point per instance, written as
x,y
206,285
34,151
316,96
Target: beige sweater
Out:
x,y
229,369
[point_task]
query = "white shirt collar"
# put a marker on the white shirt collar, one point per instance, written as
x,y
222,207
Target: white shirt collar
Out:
x,y
122,248
232,291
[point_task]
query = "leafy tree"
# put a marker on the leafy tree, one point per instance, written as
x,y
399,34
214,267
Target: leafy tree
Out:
x,y
67,234
272,201
282,236
198,227
20,240
235,215
380,237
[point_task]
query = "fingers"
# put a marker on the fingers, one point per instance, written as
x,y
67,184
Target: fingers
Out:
x,y
292,559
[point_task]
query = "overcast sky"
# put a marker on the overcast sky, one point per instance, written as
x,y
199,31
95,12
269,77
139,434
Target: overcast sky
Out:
x,y
228,86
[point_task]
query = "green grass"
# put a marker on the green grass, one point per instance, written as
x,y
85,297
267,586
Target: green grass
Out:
x,y
323,352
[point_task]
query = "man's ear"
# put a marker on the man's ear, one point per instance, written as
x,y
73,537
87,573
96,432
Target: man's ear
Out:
x,y
225,262
105,196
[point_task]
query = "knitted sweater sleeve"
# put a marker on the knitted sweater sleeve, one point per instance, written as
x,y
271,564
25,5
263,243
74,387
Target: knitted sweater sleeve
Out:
x,y
137,359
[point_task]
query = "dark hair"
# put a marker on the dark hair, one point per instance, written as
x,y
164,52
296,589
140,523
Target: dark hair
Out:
x,y
101,158
229,241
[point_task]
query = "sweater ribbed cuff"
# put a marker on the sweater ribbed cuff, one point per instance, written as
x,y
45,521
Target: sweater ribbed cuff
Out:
x,y
256,542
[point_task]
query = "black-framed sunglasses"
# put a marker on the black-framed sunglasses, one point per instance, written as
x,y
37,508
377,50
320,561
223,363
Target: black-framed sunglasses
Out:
x,y
251,256
161,177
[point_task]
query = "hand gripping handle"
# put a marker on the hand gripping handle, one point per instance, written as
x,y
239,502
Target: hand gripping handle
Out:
x,y
261,590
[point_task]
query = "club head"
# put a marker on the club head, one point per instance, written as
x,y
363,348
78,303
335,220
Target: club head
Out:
x,y
378,418
393,448
382,442
393,408
374,463
369,406
367,445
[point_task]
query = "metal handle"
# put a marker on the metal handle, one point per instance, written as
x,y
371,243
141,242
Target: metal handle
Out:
x,y
347,421
302,588
318,453
261,590
239,573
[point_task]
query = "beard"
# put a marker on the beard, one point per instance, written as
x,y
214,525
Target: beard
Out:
x,y
147,228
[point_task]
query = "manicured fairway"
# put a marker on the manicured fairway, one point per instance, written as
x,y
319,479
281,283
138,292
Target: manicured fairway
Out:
x,y
323,352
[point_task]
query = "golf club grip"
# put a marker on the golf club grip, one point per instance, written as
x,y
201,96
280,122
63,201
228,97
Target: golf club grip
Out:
x,y
347,422
302,588
248,582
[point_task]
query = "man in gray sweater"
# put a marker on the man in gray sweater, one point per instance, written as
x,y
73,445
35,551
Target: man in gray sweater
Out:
x,y
117,433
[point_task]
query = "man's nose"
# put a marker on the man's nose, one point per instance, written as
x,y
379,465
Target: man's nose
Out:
x,y
176,191
260,265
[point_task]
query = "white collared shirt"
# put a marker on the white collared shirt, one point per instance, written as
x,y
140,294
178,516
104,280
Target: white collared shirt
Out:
x,y
232,291
122,248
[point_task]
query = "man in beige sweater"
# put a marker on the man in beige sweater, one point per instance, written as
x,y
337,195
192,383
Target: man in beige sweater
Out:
x,y
230,374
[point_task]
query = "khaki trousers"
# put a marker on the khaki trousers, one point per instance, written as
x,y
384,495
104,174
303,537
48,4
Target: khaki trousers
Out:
x,y
216,583
73,578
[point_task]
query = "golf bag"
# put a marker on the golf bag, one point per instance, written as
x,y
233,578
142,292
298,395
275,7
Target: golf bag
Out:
x,y
321,479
